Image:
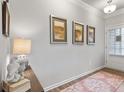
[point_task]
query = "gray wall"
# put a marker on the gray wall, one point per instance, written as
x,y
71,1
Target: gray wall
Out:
x,y
58,62
115,20
3,49
115,62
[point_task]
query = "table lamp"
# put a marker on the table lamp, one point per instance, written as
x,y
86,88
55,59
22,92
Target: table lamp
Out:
x,y
19,62
21,47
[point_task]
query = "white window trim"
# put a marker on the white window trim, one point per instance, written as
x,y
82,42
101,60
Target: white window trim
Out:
x,y
108,29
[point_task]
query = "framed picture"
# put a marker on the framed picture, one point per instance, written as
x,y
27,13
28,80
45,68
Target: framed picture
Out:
x,y
5,19
90,35
78,33
58,31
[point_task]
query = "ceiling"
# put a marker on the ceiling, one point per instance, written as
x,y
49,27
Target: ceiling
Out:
x,y
100,4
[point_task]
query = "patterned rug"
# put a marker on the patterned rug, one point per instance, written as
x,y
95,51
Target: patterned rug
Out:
x,y
100,82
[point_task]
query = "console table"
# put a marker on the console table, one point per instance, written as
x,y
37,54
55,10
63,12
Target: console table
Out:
x,y
35,85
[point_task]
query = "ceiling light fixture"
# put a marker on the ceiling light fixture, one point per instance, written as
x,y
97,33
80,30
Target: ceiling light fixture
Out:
x,y
109,8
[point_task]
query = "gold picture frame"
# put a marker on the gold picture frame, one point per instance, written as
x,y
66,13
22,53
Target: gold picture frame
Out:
x,y
78,33
90,35
58,31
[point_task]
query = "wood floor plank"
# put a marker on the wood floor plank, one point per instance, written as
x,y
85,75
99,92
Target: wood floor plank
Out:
x,y
35,84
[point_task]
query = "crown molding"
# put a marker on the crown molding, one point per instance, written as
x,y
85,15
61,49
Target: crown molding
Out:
x,y
84,6
96,11
116,13
88,7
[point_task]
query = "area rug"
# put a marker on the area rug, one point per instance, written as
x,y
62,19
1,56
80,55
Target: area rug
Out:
x,y
100,82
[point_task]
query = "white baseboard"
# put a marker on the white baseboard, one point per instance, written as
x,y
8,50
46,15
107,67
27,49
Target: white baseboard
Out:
x,y
71,79
115,68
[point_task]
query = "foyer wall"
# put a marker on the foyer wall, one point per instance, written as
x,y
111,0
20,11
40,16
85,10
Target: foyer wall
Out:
x,y
55,63
3,49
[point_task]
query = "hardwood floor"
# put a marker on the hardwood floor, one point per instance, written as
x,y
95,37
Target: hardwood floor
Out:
x,y
35,84
75,81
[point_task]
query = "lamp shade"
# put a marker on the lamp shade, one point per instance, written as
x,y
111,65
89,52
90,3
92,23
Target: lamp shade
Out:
x,y
21,46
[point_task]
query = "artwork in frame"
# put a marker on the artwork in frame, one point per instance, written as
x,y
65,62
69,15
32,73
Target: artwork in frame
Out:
x,y
58,31
5,19
78,33
90,35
